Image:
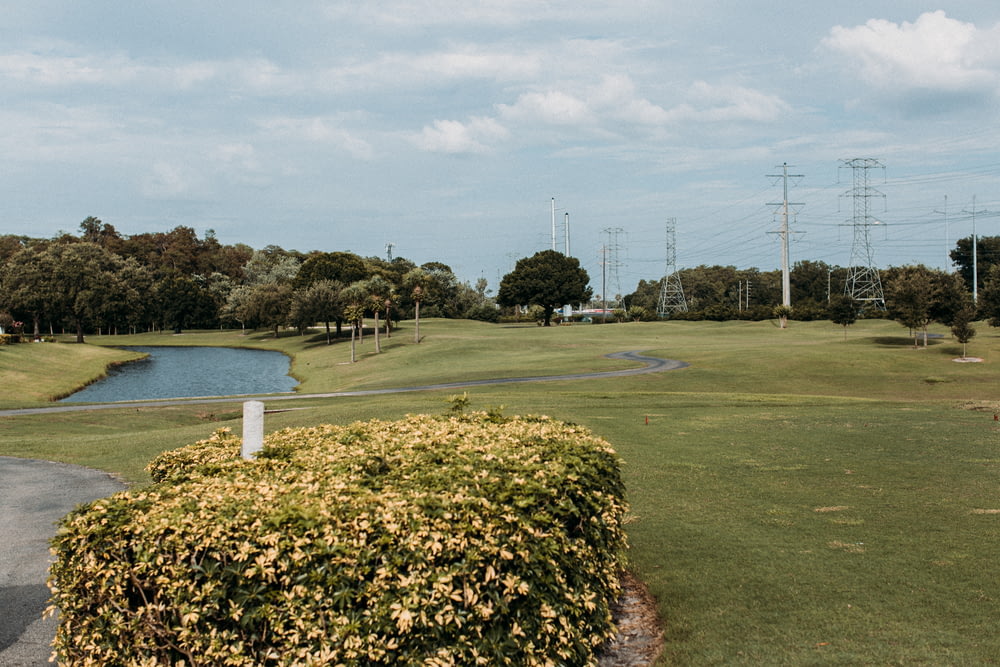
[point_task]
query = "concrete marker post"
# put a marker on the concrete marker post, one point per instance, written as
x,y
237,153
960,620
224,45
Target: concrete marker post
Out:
x,y
253,428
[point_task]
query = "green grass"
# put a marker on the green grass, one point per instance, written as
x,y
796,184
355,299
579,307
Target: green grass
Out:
x,y
796,498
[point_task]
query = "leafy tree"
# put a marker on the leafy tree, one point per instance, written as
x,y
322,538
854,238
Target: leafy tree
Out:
x,y
184,303
320,302
343,267
26,287
844,311
989,297
92,230
948,296
548,279
271,267
961,327
268,304
987,254
908,298
83,285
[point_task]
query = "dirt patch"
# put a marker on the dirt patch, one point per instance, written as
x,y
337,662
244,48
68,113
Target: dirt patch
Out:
x,y
640,631
832,508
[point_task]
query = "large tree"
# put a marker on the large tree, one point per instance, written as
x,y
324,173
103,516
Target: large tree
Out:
x,y
987,254
989,297
548,279
83,283
908,298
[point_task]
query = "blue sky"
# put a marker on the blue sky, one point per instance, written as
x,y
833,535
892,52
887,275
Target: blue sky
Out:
x,y
447,127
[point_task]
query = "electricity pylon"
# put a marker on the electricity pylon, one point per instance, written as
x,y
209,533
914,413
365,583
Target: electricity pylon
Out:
x,y
671,292
864,283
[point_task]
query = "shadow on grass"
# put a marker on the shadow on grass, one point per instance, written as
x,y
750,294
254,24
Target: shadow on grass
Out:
x,y
907,341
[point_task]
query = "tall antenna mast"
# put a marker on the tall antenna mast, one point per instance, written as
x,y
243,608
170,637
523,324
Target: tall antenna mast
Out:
x,y
388,250
786,282
864,284
671,292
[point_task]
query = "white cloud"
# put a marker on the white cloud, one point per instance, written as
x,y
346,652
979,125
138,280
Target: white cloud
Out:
x,y
166,180
934,52
553,107
450,136
729,103
67,70
318,130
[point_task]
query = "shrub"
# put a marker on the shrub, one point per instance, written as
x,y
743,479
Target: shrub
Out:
x,y
461,540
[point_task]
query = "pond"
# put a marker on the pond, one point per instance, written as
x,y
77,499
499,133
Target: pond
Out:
x,y
183,372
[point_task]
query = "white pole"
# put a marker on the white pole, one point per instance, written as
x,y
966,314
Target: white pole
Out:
x,y
553,223
567,234
253,428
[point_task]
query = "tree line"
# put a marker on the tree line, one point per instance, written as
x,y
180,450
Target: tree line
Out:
x,y
102,281
914,295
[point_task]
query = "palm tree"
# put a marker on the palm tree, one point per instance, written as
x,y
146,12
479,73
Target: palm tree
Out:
x,y
378,289
416,280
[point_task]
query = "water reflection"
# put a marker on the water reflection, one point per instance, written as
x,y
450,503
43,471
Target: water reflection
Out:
x,y
181,372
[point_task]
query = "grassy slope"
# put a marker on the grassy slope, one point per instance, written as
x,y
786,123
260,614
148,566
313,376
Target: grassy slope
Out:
x,y
797,498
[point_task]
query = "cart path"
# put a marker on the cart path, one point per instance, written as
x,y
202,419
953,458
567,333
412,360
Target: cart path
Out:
x,y
34,495
650,365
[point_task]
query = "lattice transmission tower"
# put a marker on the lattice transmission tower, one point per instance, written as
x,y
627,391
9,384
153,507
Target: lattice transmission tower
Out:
x,y
864,284
671,291
612,266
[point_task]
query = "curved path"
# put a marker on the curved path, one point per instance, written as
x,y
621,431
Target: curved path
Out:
x,y
34,495
650,365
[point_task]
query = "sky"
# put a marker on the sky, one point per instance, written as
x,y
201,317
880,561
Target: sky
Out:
x,y
448,131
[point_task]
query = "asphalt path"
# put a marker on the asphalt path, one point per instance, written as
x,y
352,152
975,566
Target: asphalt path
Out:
x,y
34,495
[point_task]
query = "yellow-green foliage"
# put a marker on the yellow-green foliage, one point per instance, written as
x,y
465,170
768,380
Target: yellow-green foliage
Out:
x,y
461,540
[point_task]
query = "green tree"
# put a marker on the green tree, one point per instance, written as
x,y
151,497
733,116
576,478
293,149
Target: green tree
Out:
x,y
343,267
416,282
949,295
268,304
84,283
184,303
987,255
379,296
961,327
782,312
548,279
26,287
844,311
989,297
353,297
320,302
908,298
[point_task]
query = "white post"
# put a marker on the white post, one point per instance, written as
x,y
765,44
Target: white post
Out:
x,y
253,428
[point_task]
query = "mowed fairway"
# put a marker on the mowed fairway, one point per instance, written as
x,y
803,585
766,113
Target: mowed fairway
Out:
x,y
796,498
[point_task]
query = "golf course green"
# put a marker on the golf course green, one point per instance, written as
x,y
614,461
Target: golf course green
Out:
x,y
797,497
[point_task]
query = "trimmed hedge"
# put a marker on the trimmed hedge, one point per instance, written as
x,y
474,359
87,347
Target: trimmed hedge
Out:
x,y
462,540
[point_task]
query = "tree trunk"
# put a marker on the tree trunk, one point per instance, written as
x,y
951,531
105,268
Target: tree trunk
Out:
x,y
416,325
353,331
378,345
327,332
79,331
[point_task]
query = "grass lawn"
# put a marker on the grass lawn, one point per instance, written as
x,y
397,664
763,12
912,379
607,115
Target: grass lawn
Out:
x,y
796,498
